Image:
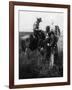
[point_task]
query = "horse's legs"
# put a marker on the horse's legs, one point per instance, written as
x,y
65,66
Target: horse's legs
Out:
x,y
25,51
51,61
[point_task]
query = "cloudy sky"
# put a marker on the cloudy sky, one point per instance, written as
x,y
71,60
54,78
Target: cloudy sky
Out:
x,y
28,18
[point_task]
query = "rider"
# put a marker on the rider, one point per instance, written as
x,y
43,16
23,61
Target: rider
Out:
x,y
36,24
36,27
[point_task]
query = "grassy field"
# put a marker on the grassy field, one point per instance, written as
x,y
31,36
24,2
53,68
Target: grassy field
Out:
x,y
34,65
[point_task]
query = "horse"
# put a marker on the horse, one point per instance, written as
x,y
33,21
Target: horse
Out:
x,y
36,40
25,42
33,41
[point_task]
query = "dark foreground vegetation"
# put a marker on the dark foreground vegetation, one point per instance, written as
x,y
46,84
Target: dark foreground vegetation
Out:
x,y
33,64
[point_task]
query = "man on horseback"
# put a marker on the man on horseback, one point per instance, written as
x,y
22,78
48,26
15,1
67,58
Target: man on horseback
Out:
x,y
36,24
38,35
36,27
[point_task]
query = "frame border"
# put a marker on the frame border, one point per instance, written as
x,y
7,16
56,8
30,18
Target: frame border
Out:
x,y
11,44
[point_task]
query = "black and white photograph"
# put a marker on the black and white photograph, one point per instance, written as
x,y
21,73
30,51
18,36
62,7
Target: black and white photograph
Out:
x,y
39,44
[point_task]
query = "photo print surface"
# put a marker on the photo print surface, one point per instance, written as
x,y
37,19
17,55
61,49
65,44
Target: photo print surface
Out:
x,y
40,44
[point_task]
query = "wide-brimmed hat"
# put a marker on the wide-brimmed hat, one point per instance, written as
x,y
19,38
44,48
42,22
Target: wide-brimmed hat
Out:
x,y
39,19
